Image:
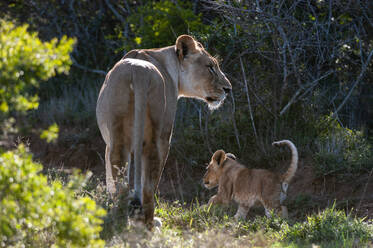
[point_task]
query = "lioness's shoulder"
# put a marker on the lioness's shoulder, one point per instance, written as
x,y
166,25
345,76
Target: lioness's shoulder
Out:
x,y
138,54
132,54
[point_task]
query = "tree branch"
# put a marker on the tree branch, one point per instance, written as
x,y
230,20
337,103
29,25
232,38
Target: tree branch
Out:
x,y
309,86
115,12
363,69
236,134
248,98
86,68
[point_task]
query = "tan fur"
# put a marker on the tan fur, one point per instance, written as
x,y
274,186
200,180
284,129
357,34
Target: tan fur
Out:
x,y
137,104
247,186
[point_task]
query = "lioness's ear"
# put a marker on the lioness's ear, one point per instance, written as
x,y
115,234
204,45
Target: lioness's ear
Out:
x,y
185,45
219,156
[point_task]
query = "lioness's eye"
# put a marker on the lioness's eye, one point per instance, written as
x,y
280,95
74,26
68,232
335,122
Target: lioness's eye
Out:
x,y
211,69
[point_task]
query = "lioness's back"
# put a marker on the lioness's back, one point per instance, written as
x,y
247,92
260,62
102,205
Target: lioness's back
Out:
x,y
122,80
126,69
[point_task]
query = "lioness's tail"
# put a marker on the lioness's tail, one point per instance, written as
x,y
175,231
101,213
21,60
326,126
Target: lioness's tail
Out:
x,y
288,175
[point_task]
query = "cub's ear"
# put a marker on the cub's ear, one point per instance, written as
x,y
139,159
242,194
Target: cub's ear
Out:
x,y
219,156
185,45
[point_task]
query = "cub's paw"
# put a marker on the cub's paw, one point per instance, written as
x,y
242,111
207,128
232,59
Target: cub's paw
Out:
x,y
157,223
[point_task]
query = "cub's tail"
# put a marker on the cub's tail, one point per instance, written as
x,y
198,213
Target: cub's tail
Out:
x,y
286,178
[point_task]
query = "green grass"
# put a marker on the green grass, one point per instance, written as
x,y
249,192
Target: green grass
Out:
x,y
329,228
195,225
199,226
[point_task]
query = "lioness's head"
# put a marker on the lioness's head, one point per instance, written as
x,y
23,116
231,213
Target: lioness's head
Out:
x,y
199,73
215,168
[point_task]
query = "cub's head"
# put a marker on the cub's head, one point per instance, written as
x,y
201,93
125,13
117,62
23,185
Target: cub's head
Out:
x,y
215,168
199,73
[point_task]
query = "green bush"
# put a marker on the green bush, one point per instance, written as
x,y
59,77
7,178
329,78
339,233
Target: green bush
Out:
x,y
158,24
329,226
36,213
25,60
340,148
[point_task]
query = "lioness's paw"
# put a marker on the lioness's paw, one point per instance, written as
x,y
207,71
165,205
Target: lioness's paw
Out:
x,y
135,208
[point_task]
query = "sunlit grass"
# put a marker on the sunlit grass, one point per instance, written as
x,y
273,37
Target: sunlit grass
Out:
x,y
201,226
196,225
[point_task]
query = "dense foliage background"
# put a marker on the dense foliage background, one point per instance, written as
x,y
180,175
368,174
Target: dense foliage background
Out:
x,y
292,64
300,70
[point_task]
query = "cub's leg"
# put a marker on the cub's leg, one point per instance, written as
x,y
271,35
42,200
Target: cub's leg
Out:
x,y
213,200
279,209
268,206
267,212
241,212
244,208
217,199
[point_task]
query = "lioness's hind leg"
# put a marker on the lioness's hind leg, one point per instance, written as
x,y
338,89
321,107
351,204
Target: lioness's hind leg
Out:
x,y
284,212
150,171
110,185
116,157
116,160
153,161
112,164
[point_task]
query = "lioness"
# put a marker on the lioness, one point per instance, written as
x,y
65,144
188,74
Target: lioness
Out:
x,y
246,186
137,104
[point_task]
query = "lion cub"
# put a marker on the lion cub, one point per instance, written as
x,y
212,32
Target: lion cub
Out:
x,y
246,186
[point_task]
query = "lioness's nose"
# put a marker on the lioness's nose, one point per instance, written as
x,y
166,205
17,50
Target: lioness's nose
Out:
x,y
227,86
227,90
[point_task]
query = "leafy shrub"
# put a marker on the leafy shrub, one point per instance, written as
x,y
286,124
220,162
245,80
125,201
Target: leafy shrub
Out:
x,y
51,134
158,24
116,220
340,148
330,225
26,60
36,213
